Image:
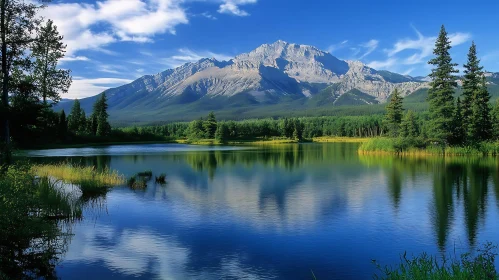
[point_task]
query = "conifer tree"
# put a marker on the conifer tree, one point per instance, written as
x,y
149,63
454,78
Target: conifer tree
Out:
x,y
471,84
210,125
458,130
62,125
75,117
222,133
394,113
481,122
440,94
495,120
409,127
101,116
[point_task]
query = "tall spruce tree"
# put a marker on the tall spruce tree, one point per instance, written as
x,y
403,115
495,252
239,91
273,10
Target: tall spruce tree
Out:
x,y
495,121
440,94
458,130
210,125
100,111
48,49
481,121
74,118
394,113
409,126
472,79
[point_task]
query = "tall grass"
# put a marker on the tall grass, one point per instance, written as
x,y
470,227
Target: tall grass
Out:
x,y
90,180
468,267
417,146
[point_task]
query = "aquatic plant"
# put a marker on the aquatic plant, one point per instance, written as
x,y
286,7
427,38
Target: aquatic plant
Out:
x,y
147,173
161,179
137,182
468,267
90,180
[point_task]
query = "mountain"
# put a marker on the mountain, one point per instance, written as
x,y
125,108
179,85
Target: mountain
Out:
x,y
278,77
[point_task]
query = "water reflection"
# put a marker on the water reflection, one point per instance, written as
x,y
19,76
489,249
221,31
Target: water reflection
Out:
x,y
277,212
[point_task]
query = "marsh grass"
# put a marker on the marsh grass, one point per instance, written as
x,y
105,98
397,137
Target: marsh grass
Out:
x,y
138,182
161,179
90,180
418,147
479,266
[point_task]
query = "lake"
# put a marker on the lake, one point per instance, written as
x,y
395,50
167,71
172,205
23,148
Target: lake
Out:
x,y
276,212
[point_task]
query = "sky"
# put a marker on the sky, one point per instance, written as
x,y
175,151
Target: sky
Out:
x,y
113,42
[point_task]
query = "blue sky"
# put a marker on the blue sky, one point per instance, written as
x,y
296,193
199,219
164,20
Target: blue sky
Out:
x,y
112,42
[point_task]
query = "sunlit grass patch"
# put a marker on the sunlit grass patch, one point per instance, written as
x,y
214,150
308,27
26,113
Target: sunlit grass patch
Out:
x,y
87,178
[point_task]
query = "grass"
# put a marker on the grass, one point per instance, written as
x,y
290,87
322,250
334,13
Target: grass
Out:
x,y
90,180
418,147
335,139
479,266
161,179
137,182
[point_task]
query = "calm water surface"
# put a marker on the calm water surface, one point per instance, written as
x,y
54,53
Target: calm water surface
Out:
x,y
276,212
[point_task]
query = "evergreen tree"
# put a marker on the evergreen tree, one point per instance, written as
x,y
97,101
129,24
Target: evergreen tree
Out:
x,y
210,125
409,127
75,117
62,125
394,112
458,130
196,130
82,123
440,94
471,85
222,133
47,50
298,130
495,120
101,116
481,122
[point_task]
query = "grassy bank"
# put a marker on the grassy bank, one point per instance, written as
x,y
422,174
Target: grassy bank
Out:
x,y
88,179
274,140
478,266
418,147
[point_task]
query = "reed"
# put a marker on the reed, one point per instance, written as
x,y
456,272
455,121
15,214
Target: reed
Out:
x,y
90,180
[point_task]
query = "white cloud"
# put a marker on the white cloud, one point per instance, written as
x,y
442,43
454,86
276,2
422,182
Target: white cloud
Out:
x,y
185,55
81,87
74,58
423,46
370,46
232,7
338,46
383,64
93,26
208,16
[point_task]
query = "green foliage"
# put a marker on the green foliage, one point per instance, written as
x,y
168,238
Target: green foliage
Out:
x,y
32,215
47,50
440,95
409,126
210,125
195,130
495,121
468,267
394,112
471,85
222,134
458,134
101,116
77,120
480,128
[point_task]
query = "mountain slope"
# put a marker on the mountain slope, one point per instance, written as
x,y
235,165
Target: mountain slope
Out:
x,y
278,75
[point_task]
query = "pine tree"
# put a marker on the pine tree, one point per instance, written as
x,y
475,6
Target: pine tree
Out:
x,y
495,121
440,95
394,112
195,130
62,125
210,125
409,126
481,121
82,123
458,130
222,133
100,114
48,49
74,117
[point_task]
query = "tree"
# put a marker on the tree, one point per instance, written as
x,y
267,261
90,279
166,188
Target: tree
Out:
x,y
440,94
409,127
394,112
222,133
210,125
298,130
48,49
481,122
76,119
458,130
471,85
18,22
195,130
495,121
62,125
103,128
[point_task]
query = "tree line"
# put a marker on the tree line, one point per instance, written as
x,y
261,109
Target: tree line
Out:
x,y
466,120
